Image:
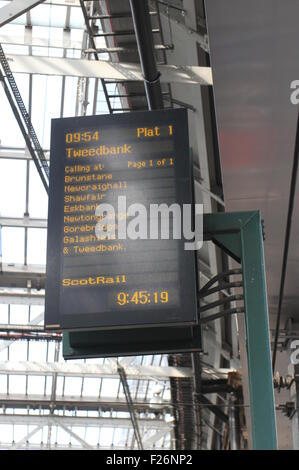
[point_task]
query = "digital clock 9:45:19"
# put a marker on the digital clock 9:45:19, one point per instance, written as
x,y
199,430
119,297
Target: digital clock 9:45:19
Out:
x,y
142,297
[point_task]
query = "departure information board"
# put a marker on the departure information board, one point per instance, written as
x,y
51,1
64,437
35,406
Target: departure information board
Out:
x,y
108,266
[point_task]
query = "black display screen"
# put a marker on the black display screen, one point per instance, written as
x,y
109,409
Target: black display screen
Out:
x,y
124,275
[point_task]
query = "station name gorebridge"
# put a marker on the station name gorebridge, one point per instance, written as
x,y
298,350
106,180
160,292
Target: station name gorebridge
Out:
x,y
122,224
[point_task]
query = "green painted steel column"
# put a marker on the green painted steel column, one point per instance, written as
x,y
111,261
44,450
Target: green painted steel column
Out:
x,y
258,341
240,235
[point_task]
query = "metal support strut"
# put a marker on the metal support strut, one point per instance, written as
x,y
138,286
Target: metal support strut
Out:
x,y
24,121
123,379
144,38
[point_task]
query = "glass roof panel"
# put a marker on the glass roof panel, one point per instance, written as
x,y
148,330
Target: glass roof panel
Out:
x,y
6,433
62,436
12,245
77,34
73,386
45,105
48,15
16,383
37,238
3,387
35,311
3,313
12,183
13,30
35,385
48,387
38,199
37,437
18,314
76,20
15,49
37,350
91,436
109,388
10,134
70,96
91,387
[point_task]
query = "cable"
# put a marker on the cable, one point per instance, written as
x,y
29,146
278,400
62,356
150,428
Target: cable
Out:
x,y
218,277
220,288
220,302
287,240
221,314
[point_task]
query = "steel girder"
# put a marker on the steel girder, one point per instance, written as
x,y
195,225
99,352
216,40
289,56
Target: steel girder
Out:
x,y
15,9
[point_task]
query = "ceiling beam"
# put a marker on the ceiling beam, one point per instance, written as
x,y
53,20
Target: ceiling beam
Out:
x,y
21,296
83,443
34,401
64,43
192,75
23,222
56,446
15,9
93,370
18,153
5,344
70,3
16,445
21,276
82,421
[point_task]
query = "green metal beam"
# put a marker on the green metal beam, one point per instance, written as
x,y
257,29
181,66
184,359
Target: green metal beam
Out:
x,y
232,231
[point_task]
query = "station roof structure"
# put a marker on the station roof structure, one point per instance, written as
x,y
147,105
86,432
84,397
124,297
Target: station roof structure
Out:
x,y
72,58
